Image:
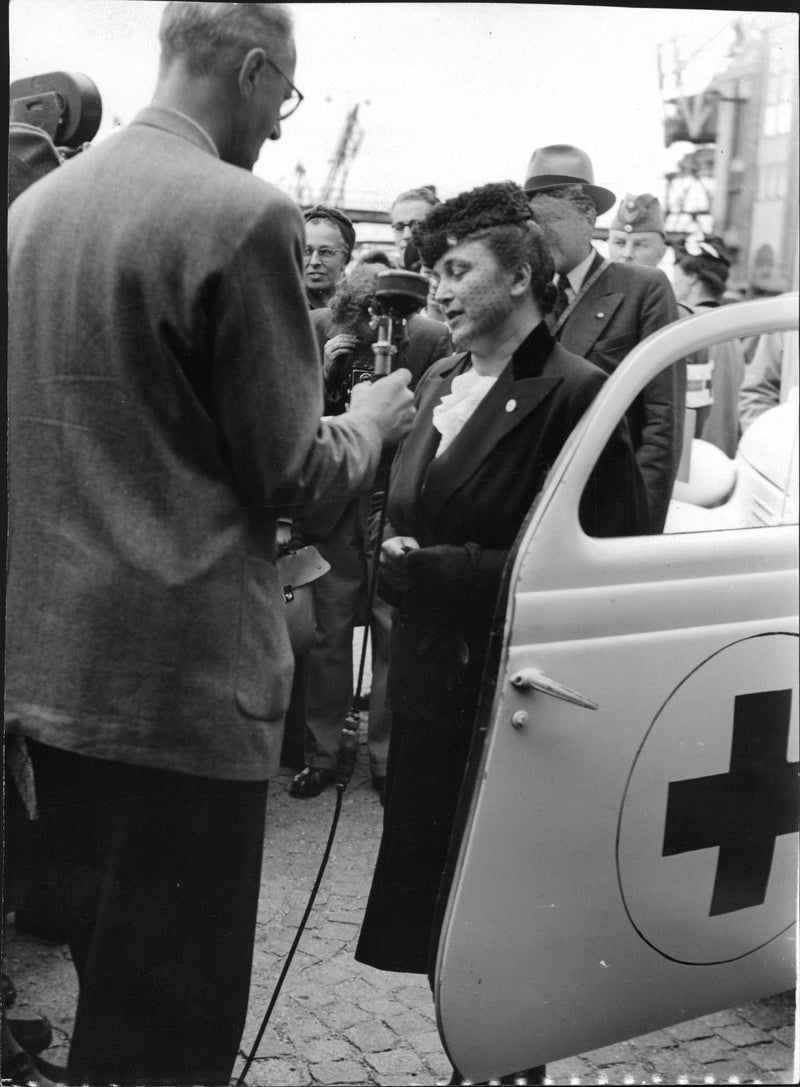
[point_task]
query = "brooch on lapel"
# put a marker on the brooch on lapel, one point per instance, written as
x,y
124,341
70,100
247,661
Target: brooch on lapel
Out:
x,y
510,405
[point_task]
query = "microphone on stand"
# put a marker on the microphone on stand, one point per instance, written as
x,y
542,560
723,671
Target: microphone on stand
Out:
x,y
398,295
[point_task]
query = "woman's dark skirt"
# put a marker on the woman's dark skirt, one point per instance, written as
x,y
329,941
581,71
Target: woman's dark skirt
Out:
x,y
426,765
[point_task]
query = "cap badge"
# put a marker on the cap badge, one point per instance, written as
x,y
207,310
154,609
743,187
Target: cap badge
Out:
x,y
630,210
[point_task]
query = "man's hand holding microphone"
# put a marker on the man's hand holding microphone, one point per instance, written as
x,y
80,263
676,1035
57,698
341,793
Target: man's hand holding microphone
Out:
x,y
389,403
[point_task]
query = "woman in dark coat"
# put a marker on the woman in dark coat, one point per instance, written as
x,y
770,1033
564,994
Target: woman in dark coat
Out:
x,y
491,420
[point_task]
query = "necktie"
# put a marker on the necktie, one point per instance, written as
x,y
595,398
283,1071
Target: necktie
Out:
x,y
562,299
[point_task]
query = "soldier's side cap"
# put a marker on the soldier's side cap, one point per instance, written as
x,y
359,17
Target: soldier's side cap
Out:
x,y
637,214
562,164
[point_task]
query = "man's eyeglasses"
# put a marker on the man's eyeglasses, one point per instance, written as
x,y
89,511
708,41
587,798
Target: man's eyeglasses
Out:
x,y
295,98
398,228
324,252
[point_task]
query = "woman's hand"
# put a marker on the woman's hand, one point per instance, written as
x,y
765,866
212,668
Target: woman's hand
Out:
x,y
336,353
393,558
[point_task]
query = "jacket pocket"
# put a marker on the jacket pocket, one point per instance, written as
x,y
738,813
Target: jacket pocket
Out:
x,y
265,662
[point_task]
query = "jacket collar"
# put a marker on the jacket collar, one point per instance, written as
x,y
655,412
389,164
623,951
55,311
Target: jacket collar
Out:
x,y
579,273
179,124
518,391
598,260
527,360
531,355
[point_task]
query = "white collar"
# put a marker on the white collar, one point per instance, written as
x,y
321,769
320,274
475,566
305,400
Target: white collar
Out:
x,y
579,272
195,124
467,390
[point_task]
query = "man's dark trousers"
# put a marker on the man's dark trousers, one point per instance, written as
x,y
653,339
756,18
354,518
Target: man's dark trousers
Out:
x,y
160,876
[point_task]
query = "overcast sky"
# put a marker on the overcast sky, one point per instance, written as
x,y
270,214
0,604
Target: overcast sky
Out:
x,y
458,94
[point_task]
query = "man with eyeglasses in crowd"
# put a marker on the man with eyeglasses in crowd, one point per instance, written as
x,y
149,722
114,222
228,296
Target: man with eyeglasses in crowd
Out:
x,y
408,210
605,308
165,400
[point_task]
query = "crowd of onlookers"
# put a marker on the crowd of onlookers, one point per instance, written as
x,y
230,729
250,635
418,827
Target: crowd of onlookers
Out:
x,y
185,405
604,308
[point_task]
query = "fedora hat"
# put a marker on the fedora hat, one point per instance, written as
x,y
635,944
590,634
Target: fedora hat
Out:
x,y
562,164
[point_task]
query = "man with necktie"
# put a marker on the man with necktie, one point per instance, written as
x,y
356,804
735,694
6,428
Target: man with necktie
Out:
x,y
605,309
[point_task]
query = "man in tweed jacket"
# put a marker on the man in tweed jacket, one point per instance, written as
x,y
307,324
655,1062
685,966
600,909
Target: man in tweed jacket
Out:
x,y
165,402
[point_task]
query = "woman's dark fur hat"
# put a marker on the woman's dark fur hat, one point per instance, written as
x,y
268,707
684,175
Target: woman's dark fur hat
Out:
x,y
502,203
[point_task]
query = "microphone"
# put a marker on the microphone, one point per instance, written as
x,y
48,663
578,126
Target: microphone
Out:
x,y
398,295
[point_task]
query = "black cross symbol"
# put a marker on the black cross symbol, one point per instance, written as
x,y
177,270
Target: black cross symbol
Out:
x,y
744,810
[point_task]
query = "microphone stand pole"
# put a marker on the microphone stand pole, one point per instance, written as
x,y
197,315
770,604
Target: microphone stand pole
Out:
x,y
384,350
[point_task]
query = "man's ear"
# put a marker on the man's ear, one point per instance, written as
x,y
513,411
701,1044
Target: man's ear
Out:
x,y
251,71
520,280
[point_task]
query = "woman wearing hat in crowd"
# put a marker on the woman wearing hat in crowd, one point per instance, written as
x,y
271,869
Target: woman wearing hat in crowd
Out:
x,y
330,237
700,276
491,420
701,271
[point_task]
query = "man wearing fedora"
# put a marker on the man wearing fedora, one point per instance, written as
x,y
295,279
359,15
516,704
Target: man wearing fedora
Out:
x,y
604,309
636,234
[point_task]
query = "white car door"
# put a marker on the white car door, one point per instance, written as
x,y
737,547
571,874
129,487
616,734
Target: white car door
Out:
x,y
627,855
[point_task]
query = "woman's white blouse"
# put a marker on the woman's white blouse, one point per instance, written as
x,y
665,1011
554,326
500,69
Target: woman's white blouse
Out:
x,y
455,408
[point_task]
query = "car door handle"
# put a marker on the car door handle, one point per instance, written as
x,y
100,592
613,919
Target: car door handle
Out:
x,y
534,679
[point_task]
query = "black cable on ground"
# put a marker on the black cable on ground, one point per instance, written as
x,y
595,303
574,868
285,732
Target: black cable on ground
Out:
x,y
340,788
348,749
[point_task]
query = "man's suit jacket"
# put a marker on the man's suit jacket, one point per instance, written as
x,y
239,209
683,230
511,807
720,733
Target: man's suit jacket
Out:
x,y
623,306
165,402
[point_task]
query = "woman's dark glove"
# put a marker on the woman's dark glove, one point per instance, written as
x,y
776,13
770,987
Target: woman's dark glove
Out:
x,y
464,573
441,569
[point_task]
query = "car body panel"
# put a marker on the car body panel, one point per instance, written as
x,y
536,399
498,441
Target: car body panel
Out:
x,y
623,868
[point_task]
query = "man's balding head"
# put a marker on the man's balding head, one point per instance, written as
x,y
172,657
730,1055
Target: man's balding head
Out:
x,y
230,67
213,38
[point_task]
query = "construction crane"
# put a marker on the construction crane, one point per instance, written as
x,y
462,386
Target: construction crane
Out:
x,y
693,113
299,188
332,191
690,115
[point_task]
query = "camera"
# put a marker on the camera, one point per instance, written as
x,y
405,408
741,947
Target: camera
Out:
x,y
65,105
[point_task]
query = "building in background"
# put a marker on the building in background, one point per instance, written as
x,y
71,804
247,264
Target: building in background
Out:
x,y
731,119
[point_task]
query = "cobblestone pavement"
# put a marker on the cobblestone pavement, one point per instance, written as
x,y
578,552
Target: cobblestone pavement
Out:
x,y
338,1022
